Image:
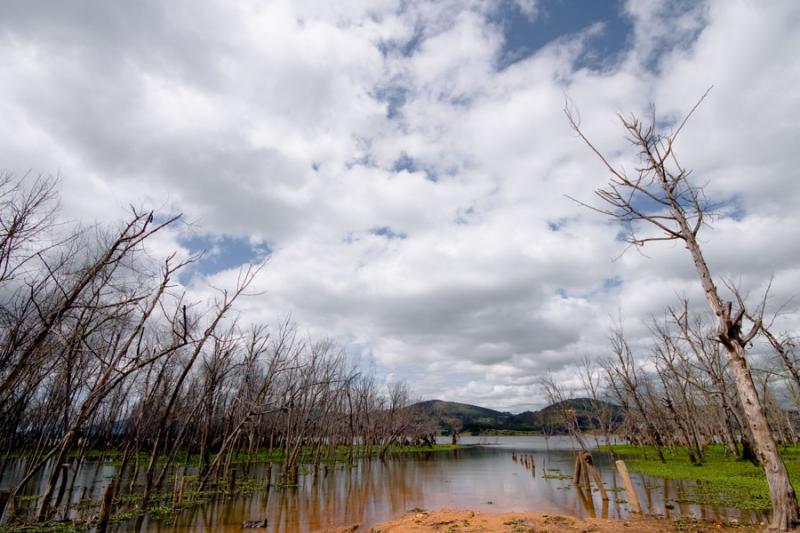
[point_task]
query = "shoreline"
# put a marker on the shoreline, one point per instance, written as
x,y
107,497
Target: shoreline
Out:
x,y
468,521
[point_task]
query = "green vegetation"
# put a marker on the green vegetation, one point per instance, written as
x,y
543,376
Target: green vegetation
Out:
x,y
721,480
480,420
693,525
556,476
44,527
307,454
503,433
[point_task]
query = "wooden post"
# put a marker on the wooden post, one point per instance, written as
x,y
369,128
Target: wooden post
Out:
x,y
588,501
585,473
626,480
598,482
105,508
576,477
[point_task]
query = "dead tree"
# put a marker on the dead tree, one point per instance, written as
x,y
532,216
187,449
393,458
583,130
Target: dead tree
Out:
x,y
660,197
678,382
602,417
222,306
709,361
565,412
624,378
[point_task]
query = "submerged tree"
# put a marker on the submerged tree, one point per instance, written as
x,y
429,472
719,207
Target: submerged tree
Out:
x,y
102,349
660,196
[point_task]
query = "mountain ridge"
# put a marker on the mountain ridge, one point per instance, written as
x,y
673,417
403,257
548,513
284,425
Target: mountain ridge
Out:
x,y
464,417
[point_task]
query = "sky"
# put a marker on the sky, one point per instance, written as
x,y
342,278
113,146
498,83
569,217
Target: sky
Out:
x,y
404,166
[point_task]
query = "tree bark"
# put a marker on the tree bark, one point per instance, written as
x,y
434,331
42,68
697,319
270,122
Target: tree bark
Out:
x,y
785,514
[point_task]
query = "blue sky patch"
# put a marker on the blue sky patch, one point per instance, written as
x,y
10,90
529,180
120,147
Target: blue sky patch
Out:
x,y
557,18
394,96
221,253
733,208
389,233
406,48
556,225
404,162
407,163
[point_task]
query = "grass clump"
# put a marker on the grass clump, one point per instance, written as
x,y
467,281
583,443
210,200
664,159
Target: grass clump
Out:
x,y
558,520
518,525
721,480
44,527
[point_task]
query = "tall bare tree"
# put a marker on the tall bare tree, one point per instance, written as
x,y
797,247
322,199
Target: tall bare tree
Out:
x,y
662,201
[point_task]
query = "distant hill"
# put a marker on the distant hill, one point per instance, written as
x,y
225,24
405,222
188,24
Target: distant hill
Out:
x,y
472,417
475,419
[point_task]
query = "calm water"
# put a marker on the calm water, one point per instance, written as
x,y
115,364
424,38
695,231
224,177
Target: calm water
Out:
x,y
482,477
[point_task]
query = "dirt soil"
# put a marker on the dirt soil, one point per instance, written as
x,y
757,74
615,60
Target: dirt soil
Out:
x,y
461,521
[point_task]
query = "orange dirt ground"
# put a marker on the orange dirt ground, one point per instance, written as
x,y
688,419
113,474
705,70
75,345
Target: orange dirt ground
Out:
x,y
460,521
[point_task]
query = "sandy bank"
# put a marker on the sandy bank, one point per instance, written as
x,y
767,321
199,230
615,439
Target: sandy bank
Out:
x,y
461,521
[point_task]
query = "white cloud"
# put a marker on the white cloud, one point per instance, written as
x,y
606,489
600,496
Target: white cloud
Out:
x,y
270,123
529,8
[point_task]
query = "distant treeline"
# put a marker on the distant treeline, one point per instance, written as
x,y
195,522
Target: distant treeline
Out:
x,y
466,418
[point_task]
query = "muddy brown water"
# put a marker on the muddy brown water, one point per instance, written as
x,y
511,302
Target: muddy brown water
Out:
x,y
480,477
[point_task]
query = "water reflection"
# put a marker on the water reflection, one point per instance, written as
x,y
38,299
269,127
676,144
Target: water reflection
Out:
x,y
484,477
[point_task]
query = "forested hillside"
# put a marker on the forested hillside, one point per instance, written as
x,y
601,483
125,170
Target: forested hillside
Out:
x,y
475,419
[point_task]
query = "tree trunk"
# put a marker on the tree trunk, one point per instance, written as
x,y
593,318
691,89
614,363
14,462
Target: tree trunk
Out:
x,y
66,445
782,495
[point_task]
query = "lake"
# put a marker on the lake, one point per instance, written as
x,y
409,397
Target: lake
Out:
x,y
482,477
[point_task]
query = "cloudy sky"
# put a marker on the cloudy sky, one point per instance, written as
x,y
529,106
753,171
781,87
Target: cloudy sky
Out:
x,y
405,164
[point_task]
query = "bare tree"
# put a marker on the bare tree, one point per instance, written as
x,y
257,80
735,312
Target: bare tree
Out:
x,y
100,350
661,196
27,209
601,416
627,383
564,411
707,360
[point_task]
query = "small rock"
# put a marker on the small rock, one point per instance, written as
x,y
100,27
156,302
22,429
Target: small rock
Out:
x,y
254,524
